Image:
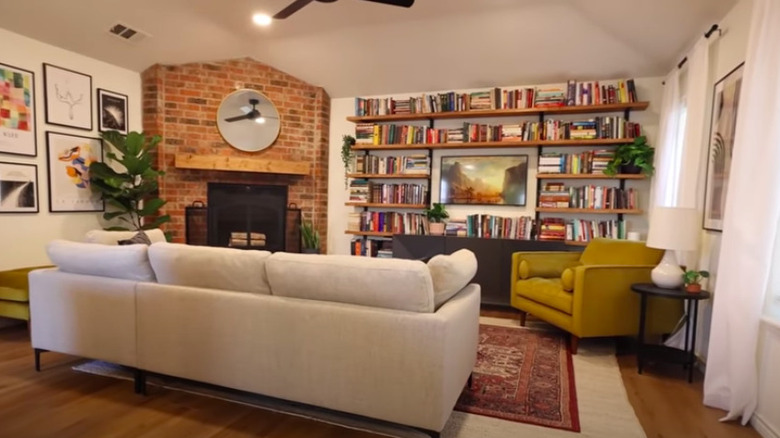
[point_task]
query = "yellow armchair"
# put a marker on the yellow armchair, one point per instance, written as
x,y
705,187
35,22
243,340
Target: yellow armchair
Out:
x,y
589,294
14,293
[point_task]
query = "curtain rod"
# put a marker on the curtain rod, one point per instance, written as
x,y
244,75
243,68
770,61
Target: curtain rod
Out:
x,y
707,34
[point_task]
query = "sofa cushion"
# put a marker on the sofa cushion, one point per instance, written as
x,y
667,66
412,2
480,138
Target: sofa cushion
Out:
x,y
129,262
451,273
14,294
547,291
567,279
208,267
113,237
386,283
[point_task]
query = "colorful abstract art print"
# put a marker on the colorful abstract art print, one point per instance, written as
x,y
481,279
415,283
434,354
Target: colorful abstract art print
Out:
x,y
18,188
17,111
69,158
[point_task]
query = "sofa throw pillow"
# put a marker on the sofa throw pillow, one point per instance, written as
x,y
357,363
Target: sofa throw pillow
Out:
x,y
451,273
113,237
567,279
129,262
140,238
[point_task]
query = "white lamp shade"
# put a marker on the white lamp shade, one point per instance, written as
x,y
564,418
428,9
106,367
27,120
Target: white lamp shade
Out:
x,y
674,228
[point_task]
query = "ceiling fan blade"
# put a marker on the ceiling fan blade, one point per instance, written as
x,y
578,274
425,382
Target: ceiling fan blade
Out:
x,y
402,3
237,118
291,9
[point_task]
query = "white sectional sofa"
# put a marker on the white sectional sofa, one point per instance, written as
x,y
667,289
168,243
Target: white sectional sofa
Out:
x,y
390,339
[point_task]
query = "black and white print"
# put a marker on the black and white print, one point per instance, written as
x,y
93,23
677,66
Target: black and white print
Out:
x,y
18,188
112,111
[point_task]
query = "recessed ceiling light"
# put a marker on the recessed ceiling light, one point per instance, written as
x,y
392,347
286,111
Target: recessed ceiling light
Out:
x,y
262,19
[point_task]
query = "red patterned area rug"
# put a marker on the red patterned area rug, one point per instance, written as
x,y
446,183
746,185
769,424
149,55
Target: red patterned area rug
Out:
x,y
523,375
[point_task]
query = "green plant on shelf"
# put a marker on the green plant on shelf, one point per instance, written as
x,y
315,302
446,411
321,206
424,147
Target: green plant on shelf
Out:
x,y
437,213
636,157
692,279
346,155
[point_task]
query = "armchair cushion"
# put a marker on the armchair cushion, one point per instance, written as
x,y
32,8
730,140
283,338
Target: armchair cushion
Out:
x,y
567,279
547,291
619,252
546,264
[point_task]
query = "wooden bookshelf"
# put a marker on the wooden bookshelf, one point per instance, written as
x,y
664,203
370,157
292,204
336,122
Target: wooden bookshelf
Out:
x,y
380,204
579,109
588,176
388,176
370,233
494,144
576,243
590,210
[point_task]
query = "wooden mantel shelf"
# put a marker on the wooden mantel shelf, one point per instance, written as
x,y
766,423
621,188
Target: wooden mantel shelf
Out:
x,y
241,164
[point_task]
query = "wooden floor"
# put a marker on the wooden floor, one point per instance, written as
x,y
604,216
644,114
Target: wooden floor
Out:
x,y
63,404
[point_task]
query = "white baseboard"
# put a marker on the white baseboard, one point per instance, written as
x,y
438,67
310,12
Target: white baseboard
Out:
x,y
763,428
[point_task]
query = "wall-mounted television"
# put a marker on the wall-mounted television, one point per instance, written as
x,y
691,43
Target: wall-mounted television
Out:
x,y
484,180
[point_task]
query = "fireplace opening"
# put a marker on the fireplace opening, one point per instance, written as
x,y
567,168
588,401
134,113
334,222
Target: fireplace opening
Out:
x,y
247,216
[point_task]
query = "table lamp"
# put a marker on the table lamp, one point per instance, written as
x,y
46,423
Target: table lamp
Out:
x,y
672,229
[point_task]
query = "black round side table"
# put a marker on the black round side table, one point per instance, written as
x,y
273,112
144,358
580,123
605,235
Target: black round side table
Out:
x,y
685,357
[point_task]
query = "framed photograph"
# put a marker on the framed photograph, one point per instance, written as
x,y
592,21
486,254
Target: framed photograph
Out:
x,y
494,180
112,111
68,97
17,111
69,157
725,105
18,188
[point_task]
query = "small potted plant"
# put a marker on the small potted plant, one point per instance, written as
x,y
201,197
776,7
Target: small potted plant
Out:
x,y
310,237
346,155
692,279
436,216
633,158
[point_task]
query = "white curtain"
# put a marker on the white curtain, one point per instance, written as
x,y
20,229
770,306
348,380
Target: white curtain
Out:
x,y
666,162
751,218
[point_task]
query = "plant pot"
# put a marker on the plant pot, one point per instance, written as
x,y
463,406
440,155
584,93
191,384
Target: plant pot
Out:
x,y
630,169
310,251
693,288
437,228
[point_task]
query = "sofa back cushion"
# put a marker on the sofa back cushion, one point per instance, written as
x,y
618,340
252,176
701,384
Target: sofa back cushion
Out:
x,y
451,273
207,267
113,237
129,262
386,283
619,252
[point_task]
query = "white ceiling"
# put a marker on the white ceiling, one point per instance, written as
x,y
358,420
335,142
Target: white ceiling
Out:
x,y
354,47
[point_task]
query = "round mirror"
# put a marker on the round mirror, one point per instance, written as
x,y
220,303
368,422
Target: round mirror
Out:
x,y
248,120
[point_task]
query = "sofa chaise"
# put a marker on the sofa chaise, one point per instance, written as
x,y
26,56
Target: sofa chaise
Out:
x,y
389,339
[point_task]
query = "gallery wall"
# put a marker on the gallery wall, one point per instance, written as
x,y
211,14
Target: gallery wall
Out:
x,y
648,89
24,235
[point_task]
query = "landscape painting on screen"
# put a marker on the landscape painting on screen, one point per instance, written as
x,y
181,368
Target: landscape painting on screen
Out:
x,y
497,180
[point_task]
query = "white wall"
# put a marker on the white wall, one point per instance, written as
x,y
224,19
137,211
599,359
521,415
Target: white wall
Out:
x,y
23,236
649,89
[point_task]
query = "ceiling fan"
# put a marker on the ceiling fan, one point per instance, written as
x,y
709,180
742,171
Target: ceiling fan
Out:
x,y
298,4
251,113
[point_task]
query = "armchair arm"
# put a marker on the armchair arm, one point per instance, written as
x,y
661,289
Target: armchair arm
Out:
x,y
603,303
547,264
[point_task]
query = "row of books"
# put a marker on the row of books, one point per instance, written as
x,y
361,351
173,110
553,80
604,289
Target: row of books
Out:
x,y
573,93
595,128
580,230
380,248
491,227
406,164
398,193
588,162
388,221
557,195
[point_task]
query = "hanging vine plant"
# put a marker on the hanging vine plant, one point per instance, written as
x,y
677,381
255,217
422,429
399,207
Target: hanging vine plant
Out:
x,y
346,155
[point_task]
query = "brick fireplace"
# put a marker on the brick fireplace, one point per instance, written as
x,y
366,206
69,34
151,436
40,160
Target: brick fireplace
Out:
x,y
180,104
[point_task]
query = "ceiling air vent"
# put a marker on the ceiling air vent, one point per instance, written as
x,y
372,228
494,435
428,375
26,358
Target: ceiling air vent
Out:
x,y
127,33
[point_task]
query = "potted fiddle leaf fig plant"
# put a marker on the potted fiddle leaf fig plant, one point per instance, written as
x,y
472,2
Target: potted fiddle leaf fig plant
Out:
x,y
436,216
310,237
692,280
632,158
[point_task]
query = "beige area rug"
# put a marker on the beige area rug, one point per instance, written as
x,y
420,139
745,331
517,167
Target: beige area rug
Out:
x,y
604,409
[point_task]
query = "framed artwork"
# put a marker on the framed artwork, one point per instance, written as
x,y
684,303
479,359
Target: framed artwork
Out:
x,y
112,111
495,180
18,188
68,97
17,111
69,157
725,105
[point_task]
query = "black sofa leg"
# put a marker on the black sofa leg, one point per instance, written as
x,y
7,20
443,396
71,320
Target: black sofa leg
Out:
x,y
139,378
430,433
38,352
